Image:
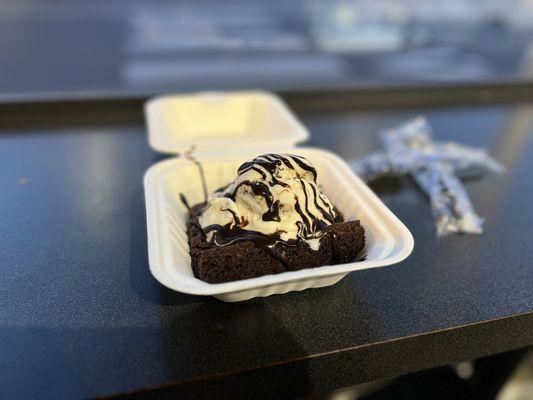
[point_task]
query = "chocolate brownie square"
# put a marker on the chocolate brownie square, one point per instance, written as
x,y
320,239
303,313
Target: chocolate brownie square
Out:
x,y
341,243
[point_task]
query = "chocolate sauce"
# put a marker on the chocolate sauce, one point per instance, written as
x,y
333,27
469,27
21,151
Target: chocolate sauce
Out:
x,y
258,189
260,172
188,155
185,202
222,188
268,166
306,221
226,235
329,215
236,219
304,166
273,244
271,162
273,213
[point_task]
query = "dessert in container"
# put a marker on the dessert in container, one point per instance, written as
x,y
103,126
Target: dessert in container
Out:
x,y
227,129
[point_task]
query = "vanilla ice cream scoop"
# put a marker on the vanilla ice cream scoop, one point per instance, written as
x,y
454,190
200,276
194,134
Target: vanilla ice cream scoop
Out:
x,y
275,197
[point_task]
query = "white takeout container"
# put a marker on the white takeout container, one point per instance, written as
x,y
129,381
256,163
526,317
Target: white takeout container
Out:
x,y
228,129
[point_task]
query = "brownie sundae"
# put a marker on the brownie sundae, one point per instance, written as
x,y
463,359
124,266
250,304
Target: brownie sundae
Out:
x,y
272,218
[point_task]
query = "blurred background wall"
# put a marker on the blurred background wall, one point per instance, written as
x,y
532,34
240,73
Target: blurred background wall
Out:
x,y
152,46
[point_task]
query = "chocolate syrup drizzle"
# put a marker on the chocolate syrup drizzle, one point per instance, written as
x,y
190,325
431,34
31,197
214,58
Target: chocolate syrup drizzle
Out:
x,y
268,166
184,201
225,235
188,155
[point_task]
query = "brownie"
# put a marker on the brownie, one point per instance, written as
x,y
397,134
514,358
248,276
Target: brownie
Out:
x,y
340,243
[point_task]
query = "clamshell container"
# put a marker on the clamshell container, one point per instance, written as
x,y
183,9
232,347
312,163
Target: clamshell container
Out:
x,y
227,129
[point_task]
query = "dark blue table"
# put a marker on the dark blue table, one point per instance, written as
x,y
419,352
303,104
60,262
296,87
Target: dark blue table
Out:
x,y
81,316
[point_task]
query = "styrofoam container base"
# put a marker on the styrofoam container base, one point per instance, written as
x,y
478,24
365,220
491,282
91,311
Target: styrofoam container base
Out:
x,y
388,240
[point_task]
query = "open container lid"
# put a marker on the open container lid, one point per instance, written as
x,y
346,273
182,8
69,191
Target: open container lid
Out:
x,y
215,122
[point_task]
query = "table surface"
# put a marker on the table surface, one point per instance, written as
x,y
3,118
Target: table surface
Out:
x,y
81,315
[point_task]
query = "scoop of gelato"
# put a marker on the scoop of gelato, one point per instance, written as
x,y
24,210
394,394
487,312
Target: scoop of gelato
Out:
x,y
274,197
